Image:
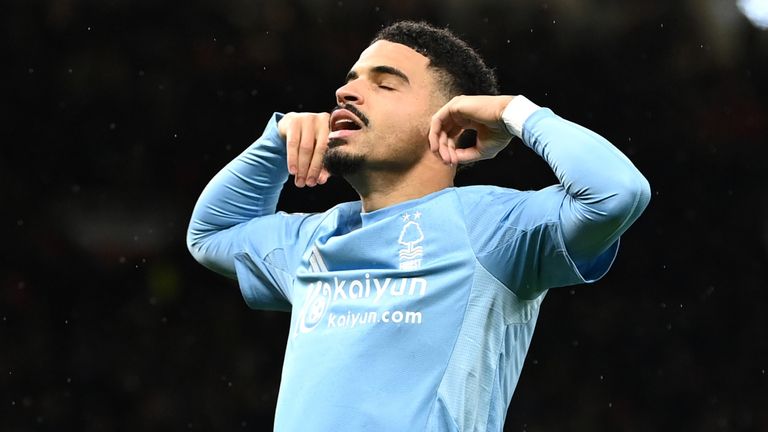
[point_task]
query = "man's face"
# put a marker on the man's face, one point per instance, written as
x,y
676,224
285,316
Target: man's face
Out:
x,y
391,96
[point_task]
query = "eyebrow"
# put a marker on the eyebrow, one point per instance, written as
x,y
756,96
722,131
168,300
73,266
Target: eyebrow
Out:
x,y
386,70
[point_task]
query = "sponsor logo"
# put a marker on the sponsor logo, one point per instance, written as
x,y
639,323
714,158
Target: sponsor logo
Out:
x,y
316,303
321,296
368,291
354,319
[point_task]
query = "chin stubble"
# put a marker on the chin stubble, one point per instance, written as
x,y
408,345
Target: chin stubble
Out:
x,y
340,163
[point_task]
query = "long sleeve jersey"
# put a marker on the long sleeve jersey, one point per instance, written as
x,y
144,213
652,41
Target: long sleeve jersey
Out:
x,y
416,316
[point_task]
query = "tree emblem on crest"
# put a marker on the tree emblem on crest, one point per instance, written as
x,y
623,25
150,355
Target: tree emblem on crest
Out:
x,y
410,237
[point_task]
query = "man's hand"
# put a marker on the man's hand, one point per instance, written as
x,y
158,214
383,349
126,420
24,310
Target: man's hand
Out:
x,y
480,113
306,140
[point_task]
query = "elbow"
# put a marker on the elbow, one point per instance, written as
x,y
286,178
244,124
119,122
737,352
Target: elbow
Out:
x,y
195,244
210,253
193,247
638,190
630,197
200,251
644,192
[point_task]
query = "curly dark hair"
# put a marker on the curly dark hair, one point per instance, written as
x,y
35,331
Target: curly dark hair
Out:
x,y
462,69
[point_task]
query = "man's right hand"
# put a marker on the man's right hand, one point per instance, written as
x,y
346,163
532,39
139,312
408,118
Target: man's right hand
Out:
x,y
306,140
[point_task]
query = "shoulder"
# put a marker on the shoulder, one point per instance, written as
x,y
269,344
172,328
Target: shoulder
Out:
x,y
338,216
482,195
511,207
294,231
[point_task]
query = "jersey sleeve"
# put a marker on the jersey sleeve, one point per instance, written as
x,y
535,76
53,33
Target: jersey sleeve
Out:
x,y
270,248
517,237
235,231
566,233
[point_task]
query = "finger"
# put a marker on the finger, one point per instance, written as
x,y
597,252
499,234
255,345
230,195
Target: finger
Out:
x,y
455,113
443,149
452,142
321,145
306,148
324,175
454,132
435,127
292,137
443,120
452,151
467,155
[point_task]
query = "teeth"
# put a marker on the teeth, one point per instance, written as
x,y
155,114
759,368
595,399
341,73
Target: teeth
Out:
x,y
344,123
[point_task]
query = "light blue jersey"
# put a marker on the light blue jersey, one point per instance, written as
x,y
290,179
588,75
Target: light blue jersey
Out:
x,y
418,316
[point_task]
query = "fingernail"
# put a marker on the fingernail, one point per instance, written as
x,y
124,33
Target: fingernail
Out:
x,y
311,181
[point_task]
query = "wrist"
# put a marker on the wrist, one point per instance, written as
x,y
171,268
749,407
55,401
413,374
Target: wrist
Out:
x,y
281,120
516,113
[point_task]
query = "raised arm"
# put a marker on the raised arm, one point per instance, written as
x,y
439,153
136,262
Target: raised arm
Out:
x,y
249,186
605,193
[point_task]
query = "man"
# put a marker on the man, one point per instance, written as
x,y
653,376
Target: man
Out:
x,y
413,308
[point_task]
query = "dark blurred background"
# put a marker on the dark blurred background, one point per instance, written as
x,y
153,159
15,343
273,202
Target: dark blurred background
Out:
x,y
116,113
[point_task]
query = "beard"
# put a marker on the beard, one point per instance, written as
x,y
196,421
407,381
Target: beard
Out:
x,y
340,163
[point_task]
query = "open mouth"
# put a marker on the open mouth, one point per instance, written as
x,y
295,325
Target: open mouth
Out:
x,y
344,120
343,124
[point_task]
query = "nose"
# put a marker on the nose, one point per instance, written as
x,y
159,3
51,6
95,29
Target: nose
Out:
x,y
348,94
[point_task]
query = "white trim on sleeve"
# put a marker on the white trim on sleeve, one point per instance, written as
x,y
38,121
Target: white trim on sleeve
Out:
x,y
516,113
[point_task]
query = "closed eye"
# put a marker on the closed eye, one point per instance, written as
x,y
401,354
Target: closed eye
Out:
x,y
385,87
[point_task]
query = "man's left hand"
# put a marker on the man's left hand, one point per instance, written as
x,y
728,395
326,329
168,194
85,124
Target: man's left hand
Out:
x,y
480,113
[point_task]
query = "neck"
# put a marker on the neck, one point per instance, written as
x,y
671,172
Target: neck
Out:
x,y
378,190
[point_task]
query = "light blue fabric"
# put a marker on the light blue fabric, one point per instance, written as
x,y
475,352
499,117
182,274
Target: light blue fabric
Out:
x,y
416,316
